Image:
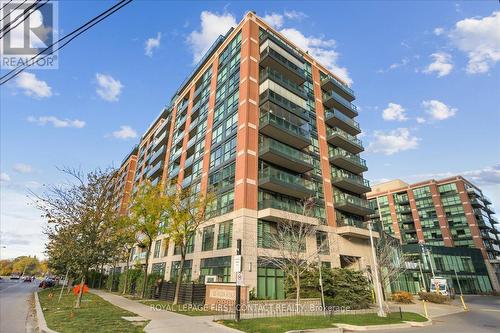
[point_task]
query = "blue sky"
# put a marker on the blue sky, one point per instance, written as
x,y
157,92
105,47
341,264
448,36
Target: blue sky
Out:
x,y
425,75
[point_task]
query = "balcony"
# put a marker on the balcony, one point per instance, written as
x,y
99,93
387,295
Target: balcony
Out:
x,y
339,138
334,100
488,235
349,181
269,57
159,153
273,75
345,160
330,83
335,118
285,156
489,209
174,172
269,95
155,169
483,222
284,131
187,181
353,228
486,200
493,220
283,182
351,204
161,139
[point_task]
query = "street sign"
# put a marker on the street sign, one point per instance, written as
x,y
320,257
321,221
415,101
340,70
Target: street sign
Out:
x,y
237,263
239,279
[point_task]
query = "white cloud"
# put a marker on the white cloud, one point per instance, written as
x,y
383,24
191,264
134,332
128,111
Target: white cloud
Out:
x,y
108,88
22,168
212,25
392,142
125,132
321,49
442,64
56,122
394,112
420,120
479,38
438,31
274,20
32,86
438,110
4,177
295,15
486,176
152,43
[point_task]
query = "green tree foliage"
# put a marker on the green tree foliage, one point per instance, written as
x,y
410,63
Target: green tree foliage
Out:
x,y
342,287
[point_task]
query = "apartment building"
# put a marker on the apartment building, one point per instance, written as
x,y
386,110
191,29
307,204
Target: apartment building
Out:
x,y
263,125
450,212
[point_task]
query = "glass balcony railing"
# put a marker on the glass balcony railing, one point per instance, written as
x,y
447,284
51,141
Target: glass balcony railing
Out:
x,y
286,150
354,159
174,172
333,113
281,205
347,221
285,177
346,136
339,84
155,168
331,97
269,118
284,103
338,174
276,76
270,52
345,199
157,154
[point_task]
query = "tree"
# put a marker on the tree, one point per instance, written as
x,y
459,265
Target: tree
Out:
x,y
287,246
390,258
186,211
81,221
147,213
342,287
5,267
26,265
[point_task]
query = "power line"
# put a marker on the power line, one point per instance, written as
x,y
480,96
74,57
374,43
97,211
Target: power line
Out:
x,y
26,14
72,35
22,3
6,4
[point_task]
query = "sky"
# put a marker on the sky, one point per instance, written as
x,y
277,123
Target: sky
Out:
x,y
426,77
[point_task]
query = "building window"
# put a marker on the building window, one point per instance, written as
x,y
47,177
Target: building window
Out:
x,y
270,283
189,247
224,238
157,249
165,247
218,266
208,239
158,268
186,270
322,242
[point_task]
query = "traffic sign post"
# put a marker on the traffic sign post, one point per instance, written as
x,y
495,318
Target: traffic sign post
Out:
x,y
239,278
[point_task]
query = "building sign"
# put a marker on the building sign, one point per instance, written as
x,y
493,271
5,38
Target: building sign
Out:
x,y
237,263
239,279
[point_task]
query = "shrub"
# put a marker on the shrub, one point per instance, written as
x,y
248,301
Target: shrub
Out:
x,y
433,297
341,287
402,297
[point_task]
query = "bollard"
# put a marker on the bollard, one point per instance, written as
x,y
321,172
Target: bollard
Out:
x,y
425,309
463,303
400,314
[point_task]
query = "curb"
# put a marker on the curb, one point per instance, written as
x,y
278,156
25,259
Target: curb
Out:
x,y
420,323
319,330
42,324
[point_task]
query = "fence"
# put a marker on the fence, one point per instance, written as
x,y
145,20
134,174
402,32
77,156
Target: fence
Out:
x,y
189,293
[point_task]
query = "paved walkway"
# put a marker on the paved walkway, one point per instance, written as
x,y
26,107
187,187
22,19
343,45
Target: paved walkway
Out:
x,y
165,321
434,310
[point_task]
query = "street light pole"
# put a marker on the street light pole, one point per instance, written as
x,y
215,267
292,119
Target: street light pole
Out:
x,y
422,275
378,287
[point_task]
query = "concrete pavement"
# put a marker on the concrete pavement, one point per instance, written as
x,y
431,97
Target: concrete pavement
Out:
x,y
165,321
16,315
483,317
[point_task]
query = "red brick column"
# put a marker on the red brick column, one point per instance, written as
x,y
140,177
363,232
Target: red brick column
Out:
x,y
246,178
323,148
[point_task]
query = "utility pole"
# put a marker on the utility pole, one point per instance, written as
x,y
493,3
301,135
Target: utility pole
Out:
x,y
422,275
378,287
460,288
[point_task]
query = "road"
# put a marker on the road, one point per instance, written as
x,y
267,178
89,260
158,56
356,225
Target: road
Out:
x,y
15,306
483,317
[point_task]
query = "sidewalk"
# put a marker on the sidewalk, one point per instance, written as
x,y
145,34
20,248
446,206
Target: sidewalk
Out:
x,y
165,321
434,310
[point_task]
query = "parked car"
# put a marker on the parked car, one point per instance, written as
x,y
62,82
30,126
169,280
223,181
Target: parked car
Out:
x,y
47,283
27,279
14,276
